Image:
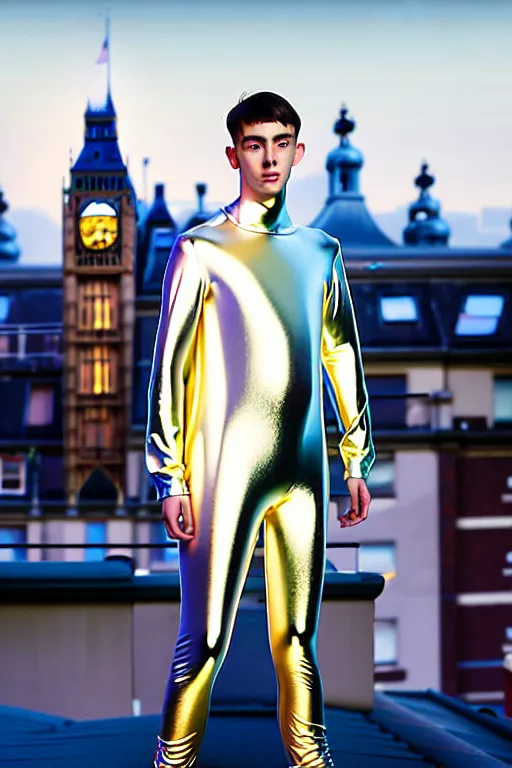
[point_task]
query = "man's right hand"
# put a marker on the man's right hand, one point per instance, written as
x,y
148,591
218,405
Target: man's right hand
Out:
x,y
178,518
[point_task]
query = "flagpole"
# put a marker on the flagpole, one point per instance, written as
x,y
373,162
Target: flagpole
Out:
x,y
107,35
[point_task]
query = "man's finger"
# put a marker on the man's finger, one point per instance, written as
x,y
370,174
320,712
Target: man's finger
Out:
x,y
364,505
354,499
173,510
172,529
188,518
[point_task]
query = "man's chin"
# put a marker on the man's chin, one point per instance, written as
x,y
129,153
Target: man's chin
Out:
x,y
268,192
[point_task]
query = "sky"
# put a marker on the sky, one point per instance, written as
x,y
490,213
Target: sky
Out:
x,y
423,79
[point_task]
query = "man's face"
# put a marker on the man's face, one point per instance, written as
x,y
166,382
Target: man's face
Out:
x,y
265,154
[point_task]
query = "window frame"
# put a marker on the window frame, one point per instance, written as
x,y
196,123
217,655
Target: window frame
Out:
x,y
386,662
21,460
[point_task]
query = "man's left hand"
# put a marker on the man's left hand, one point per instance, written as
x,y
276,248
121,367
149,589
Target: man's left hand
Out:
x,y
359,503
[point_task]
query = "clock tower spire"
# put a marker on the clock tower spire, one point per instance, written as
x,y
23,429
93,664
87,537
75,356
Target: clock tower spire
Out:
x,y
99,217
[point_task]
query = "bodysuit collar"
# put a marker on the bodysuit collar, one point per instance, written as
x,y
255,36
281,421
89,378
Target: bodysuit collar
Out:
x,y
282,225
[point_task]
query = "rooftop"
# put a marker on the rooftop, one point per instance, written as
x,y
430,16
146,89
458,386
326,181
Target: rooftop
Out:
x,y
403,731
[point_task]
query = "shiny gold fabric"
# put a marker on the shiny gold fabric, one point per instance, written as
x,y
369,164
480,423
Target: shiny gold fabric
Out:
x,y
248,316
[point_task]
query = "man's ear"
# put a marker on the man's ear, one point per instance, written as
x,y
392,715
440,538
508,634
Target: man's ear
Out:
x,y
233,159
299,153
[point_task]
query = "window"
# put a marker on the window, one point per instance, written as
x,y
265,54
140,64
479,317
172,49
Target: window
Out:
x,y
399,309
95,533
378,558
12,475
168,554
4,308
502,399
52,344
97,306
97,371
4,314
15,537
97,428
385,641
480,315
40,406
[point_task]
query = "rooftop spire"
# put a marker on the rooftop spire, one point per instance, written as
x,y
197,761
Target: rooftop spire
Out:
x,y
200,215
425,227
345,214
100,151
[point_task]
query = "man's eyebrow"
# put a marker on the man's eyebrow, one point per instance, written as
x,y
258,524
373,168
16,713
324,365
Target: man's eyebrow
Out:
x,y
262,139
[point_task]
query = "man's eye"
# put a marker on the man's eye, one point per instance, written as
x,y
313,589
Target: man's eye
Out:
x,y
283,144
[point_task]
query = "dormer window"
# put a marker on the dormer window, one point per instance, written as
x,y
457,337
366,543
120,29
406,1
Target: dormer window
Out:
x,y
4,308
399,309
480,315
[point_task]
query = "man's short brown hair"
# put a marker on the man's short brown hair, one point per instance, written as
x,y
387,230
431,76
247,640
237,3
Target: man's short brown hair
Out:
x,y
261,107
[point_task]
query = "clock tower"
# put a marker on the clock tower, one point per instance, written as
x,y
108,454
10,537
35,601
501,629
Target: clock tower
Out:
x,y
99,215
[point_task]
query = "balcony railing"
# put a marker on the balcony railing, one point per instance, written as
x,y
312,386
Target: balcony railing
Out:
x,y
31,345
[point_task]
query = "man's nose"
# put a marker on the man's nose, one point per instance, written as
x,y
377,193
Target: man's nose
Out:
x,y
269,159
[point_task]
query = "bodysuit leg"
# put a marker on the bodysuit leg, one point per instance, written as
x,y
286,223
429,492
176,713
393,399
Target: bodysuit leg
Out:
x,y
213,569
294,565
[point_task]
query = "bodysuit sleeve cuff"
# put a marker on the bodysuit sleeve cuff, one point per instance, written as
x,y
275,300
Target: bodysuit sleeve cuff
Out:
x,y
353,468
169,486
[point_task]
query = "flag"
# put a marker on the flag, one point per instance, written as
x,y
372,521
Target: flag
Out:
x,y
103,57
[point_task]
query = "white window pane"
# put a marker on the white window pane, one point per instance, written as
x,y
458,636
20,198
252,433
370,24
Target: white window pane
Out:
x,y
377,558
396,309
474,325
385,641
484,306
502,399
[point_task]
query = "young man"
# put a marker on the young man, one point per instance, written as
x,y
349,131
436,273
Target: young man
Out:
x,y
252,306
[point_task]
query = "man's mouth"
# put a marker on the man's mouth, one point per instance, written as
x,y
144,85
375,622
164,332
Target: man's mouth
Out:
x,y
270,176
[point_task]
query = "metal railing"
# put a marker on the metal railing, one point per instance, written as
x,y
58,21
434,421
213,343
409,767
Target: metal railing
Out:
x,y
117,549
24,335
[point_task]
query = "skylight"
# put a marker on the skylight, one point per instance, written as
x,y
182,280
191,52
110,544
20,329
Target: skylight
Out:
x,y
4,308
480,315
399,309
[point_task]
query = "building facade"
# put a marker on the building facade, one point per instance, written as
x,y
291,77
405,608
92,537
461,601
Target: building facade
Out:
x,y
436,328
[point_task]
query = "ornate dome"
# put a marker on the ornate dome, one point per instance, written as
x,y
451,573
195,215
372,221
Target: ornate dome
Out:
x,y
426,227
345,214
345,157
9,248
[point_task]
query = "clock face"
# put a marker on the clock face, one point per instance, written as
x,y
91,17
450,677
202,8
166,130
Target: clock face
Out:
x,y
98,226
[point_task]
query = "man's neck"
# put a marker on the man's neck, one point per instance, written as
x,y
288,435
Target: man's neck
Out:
x,y
262,216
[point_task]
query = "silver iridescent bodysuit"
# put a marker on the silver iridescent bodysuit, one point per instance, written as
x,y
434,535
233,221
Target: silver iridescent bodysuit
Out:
x,y
249,316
